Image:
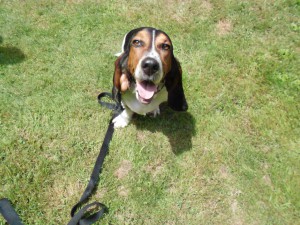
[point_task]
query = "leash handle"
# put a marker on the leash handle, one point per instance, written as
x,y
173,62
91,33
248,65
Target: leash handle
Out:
x,y
78,218
9,213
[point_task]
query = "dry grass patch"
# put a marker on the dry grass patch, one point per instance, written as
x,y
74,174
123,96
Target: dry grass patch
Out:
x,y
207,5
155,168
123,170
123,191
224,27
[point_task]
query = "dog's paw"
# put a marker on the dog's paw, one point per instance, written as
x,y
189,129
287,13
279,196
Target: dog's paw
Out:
x,y
154,113
120,121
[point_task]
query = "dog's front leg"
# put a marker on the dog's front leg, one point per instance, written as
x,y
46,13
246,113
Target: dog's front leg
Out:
x,y
123,119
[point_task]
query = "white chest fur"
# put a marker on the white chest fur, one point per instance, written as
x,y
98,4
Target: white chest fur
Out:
x,y
129,99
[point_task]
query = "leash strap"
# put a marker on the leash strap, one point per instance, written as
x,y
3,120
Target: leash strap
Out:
x,y
78,218
9,213
87,214
116,107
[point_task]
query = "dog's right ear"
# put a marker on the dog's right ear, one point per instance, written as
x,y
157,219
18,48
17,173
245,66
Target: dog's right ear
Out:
x,y
116,91
117,73
120,70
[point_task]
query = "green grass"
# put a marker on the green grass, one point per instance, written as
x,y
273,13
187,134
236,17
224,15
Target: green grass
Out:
x,y
233,158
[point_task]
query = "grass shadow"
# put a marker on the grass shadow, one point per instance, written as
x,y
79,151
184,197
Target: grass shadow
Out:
x,y
179,127
10,54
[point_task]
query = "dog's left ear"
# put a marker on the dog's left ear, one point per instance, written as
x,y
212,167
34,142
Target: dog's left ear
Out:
x,y
173,82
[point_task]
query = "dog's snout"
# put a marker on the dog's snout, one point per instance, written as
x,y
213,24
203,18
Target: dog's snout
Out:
x,y
150,66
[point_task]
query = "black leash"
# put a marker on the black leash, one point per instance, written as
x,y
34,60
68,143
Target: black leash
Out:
x,y
83,216
9,213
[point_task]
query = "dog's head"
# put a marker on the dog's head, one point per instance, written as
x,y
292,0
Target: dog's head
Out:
x,y
146,63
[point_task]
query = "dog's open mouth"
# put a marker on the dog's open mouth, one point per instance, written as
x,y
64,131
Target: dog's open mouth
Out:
x,y
145,91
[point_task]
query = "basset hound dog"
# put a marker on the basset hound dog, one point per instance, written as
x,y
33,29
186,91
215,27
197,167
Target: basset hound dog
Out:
x,y
147,74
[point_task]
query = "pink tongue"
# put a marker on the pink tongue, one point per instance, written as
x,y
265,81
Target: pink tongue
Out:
x,y
146,90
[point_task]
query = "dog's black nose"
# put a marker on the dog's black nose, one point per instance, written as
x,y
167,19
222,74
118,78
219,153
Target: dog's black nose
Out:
x,y
150,66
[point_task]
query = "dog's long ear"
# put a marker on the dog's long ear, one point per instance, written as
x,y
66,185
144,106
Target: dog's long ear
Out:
x,y
119,65
176,97
117,74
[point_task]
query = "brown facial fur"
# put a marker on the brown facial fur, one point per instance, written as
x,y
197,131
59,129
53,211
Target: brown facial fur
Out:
x,y
165,55
136,53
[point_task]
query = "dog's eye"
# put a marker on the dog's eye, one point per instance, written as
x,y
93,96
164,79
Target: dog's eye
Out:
x,y
137,43
165,47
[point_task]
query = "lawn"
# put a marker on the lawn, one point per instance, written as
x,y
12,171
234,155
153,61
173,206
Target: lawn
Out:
x,y
233,158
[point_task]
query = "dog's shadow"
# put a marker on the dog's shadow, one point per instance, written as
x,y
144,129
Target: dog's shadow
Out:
x,y
10,54
179,127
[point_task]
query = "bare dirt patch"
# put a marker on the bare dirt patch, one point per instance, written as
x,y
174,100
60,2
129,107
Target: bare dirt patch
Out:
x,y
237,219
224,27
123,191
123,170
155,168
237,213
141,136
207,5
74,1
267,180
224,172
